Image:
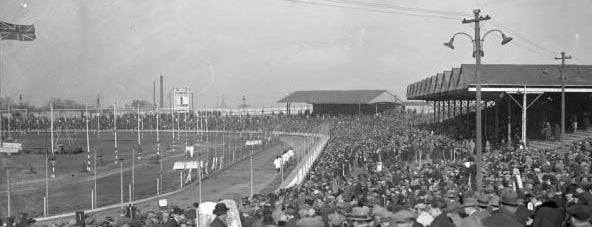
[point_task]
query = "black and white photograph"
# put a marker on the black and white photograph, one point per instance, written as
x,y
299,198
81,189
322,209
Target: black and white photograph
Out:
x,y
295,113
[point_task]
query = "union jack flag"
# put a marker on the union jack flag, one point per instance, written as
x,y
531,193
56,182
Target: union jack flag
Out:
x,y
17,32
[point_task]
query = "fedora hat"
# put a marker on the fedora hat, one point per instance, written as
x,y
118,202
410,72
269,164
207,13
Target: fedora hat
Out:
x,y
470,202
509,197
220,209
360,214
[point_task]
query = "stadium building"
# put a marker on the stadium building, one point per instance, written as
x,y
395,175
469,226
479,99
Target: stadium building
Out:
x,y
519,101
345,102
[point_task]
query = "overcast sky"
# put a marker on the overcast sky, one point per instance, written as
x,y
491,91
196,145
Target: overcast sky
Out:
x,y
265,48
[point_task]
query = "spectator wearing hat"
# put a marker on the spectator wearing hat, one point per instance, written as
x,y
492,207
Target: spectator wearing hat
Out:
x,y
123,219
310,220
151,220
278,213
547,214
168,221
22,220
291,217
191,213
220,210
404,218
493,203
336,219
506,215
440,217
580,215
583,197
475,212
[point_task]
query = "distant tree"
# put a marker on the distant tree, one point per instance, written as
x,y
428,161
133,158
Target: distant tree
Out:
x,y
144,104
243,106
65,104
5,101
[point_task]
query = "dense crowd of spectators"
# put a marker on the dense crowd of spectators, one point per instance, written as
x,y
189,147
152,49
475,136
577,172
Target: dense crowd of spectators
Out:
x,y
381,171
148,121
370,175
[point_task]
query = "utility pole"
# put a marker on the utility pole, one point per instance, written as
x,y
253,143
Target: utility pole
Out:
x,y
562,78
161,92
244,104
478,52
98,115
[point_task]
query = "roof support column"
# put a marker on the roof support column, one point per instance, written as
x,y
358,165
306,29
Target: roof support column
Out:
x,y
454,109
440,116
484,122
449,109
288,108
441,104
524,109
509,133
496,122
434,113
376,110
437,112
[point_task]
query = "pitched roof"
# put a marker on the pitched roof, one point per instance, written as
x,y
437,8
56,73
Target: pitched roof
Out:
x,y
502,78
341,97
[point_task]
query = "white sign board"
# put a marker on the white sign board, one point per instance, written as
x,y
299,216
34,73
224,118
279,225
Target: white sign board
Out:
x,y
253,142
8,150
18,146
162,202
181,99
185,165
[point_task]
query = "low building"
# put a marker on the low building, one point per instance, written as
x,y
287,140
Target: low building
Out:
x,y
345,102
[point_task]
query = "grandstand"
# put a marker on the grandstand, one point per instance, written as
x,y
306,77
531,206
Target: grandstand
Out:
x,y
505,89
350,102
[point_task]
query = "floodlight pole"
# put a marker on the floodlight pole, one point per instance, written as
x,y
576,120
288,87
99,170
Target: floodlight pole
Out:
x,y
477,53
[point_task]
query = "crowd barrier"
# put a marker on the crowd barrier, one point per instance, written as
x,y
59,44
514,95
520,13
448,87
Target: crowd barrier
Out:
x,y
301,171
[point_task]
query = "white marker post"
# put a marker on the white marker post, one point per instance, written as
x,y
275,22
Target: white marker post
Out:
x,y
252,143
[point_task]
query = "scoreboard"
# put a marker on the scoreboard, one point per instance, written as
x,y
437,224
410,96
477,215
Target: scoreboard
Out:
x,y
181,98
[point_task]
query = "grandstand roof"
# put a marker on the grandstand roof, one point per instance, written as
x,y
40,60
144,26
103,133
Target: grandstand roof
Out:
x,y
459,83
341,97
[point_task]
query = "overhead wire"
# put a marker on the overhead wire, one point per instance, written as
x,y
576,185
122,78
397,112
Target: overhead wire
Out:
x,y
498,24
517,43
527,44
371,9
405,8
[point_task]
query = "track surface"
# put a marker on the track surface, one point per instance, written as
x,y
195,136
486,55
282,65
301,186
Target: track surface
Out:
x,y
231,183
71,190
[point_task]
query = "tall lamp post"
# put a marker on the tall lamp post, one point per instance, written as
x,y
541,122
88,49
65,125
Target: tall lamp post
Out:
x,y
477,54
